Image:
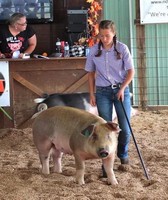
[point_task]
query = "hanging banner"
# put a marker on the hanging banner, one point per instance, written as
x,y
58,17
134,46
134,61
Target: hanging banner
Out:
x,y
153,11
4,84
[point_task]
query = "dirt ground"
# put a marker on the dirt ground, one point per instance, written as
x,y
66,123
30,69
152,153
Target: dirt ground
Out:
x,y
20,178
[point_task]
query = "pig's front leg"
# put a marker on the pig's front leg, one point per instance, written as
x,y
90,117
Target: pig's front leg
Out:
x,y
80,169
57,157
108,166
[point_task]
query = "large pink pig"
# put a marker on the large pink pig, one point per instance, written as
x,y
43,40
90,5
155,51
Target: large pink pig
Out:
x,y
63,129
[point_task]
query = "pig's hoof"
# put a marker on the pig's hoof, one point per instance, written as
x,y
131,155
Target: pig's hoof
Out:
x,y
113,182
57,171
80,182
45,173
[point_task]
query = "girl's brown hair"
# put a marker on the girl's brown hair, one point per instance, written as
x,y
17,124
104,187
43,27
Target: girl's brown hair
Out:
x,y
107,24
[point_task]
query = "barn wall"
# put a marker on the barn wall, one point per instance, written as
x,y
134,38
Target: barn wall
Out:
x,y
149,50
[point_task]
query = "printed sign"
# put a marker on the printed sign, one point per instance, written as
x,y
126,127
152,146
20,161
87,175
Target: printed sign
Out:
x,y
4,84
153,11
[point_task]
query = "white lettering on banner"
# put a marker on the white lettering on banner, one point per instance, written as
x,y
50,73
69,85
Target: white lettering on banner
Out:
x,y
4,84
152,12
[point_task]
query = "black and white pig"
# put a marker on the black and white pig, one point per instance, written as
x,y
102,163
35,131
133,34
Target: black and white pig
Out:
x,y
76,100
63,129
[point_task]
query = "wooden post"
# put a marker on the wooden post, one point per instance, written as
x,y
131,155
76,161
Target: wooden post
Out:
x,y
141,59
102,11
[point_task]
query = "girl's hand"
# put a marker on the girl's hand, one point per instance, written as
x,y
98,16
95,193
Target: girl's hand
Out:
x,y
21,55
2,55
92,100
120,94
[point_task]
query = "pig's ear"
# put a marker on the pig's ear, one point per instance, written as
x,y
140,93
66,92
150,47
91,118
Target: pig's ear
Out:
x,y
88,131
113,126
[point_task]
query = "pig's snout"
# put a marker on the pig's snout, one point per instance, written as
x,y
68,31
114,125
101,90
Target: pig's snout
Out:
x,y
103,153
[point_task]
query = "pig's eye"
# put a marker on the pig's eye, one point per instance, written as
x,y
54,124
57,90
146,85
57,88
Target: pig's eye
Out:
x,y
94,137
109,136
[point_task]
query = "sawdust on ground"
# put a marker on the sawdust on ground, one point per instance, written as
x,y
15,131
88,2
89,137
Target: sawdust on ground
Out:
x,y
20,178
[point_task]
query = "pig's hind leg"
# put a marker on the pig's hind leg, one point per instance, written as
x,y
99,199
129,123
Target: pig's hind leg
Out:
x,y
44,155
57,157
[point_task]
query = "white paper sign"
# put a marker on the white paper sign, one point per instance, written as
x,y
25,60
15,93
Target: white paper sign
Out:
x,y
4,84
153,11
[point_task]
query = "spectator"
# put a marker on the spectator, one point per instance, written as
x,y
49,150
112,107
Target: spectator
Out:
x,y
17,36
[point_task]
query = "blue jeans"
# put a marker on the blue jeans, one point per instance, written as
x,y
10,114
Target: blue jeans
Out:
x,y
106,97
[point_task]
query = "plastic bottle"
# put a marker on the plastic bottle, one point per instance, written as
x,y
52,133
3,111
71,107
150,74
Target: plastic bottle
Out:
x,y
62,48
66,49
58,46
86,50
